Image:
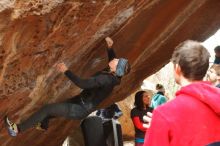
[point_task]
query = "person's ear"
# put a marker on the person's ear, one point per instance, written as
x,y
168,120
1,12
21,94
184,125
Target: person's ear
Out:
x,y
177,69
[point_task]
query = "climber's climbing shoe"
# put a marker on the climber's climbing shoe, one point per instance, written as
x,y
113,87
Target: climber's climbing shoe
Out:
x,y
12,127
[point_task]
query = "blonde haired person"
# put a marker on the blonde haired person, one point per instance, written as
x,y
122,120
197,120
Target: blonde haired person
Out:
x,y
213,75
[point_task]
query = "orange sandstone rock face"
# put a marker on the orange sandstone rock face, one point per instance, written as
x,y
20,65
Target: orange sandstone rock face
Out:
x,y
36,34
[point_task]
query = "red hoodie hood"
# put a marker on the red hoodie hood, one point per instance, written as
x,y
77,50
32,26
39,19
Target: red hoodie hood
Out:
x,y
205,92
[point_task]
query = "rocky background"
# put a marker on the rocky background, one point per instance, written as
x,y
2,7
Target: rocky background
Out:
x,y
36,34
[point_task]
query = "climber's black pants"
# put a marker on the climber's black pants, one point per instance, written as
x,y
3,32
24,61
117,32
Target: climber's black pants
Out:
x,y
74,108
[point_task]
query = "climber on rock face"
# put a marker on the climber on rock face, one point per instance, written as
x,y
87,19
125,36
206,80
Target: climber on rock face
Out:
x,y
95,90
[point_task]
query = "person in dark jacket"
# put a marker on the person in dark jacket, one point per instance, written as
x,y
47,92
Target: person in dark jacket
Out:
x,y
138,114
217,55
95,90
108,114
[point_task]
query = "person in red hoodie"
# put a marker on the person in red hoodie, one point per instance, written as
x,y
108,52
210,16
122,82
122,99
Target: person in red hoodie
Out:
x,y
193,117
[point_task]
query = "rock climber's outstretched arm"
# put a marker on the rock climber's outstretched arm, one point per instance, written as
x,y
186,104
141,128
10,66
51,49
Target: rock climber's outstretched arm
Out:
x,y
111,53
92,82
